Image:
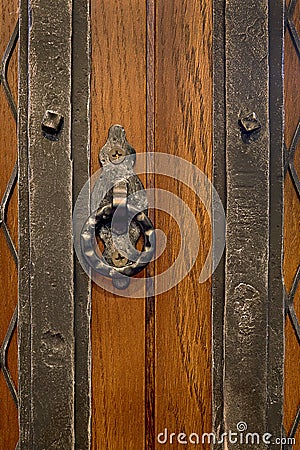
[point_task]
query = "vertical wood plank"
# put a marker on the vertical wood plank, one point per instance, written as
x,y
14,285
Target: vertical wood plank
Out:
x,y
8,270
184,128
291,230
118,324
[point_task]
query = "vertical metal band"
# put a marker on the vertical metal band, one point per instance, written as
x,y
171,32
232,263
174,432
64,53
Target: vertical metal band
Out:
x,y
247,291
219,180
46,309
24,308
247,236
276,319
81,167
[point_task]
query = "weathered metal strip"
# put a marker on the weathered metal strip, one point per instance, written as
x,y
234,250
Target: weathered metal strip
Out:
x,y
248,209
248,361
81,168
24,307
219,180
276,319
49,318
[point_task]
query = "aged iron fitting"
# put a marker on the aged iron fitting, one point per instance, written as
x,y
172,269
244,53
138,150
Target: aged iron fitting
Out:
x,y
119,215
250,127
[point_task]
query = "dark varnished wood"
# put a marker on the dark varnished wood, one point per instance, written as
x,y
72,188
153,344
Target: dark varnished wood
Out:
x,y
118,324
150,303
8,271
291,231
184,129
176,333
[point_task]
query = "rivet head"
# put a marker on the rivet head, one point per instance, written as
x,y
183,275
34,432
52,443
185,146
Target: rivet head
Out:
x,y
117,155
250,127
250,122
52,123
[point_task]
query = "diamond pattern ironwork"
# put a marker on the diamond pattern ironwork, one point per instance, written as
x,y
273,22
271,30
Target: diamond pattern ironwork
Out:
x,y
290,168
3,210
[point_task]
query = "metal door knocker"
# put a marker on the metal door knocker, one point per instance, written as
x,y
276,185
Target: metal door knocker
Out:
x,y
119,215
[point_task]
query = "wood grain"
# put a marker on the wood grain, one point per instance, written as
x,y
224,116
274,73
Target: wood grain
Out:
x,y
174,345
8,271
118,330
181,78
150,302
184,129
291,232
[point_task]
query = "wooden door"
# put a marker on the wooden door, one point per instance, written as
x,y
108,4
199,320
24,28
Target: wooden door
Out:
x,y
152,72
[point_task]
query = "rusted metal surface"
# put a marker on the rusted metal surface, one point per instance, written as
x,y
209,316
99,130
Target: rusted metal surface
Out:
x,y
247,290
